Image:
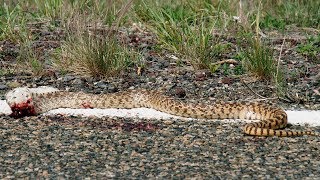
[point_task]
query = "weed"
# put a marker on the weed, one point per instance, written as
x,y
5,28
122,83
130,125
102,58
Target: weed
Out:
x,y
302,13
311,49
200,47
50,9
277,14
97,57
272,22
258,59
13,27
184,29
36,65
226,69
213,67
96,51
12,23
29,59
239,70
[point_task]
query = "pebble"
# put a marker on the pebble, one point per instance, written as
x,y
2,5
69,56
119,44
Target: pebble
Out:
x,y
3,87
68,78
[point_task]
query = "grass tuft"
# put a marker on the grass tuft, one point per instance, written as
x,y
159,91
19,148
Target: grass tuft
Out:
x,y
12,23
185,29
93,48
311,49
88,55
50,9
259,60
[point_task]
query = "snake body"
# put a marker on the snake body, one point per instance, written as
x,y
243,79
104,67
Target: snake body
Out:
x,y
25,101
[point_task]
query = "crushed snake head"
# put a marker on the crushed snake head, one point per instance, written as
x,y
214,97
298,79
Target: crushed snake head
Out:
x,y
20,102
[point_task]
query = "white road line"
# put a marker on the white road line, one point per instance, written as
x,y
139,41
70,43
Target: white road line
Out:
x,y
311,118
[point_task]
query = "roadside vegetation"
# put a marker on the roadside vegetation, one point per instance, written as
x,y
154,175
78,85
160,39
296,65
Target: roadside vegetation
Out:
x,y
193,31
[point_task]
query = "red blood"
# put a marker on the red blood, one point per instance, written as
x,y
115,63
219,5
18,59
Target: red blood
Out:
x,y
87,105
150,127
23,109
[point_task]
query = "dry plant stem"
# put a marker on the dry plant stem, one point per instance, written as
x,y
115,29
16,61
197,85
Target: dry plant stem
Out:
x,y
227,61
119,16
281,48
262,97
37,23
258,20
243,18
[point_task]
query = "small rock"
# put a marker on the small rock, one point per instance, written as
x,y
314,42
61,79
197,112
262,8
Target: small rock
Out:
x,y
202,75
77,81
180,92
3,87
226,80
167,122
112,89
67,78
100,84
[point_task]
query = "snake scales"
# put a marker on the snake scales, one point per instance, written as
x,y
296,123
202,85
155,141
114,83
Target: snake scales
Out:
x,y
26,101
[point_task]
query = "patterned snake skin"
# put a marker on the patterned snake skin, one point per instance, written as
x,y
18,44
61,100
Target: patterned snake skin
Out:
x,y
25,101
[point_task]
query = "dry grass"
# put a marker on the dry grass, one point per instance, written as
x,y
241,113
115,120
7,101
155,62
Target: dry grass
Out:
x,y
92,48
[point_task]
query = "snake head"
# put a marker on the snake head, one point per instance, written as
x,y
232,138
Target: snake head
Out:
x,y
20,102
